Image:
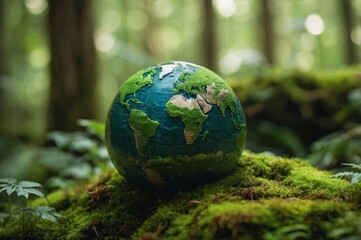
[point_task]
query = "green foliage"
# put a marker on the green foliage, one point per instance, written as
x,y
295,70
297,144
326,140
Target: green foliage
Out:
x,y
94,127
46,213
341,146
23,188
67,156
283,139
77,155
289,110
27,217
355,176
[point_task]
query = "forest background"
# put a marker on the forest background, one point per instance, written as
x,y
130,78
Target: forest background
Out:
x,y
61,61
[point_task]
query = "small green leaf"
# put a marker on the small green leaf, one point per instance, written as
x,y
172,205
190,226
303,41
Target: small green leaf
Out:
x,y
23,188
10,190
8,180
342,174
82,144
355,166
3,189
356,177
95,127
46,213
61,139
35,192
45,209
28,184
22,192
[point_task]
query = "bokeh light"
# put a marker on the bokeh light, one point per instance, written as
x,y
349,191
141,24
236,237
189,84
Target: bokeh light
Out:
x,y
39,57
230,63
226,8
356,35
36,7
104,41
314,24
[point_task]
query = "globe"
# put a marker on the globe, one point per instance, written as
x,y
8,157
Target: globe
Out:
x,y
175,125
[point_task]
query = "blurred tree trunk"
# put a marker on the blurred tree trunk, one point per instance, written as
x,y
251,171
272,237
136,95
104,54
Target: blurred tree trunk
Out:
x,y
209,41
73,63
266,21
347,24
2,56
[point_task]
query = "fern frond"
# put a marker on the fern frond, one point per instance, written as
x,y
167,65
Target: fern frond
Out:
x,y
353,165
342,174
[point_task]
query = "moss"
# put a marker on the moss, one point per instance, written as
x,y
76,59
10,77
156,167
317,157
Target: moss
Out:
x,y
308,105
253,220
223,209
265,197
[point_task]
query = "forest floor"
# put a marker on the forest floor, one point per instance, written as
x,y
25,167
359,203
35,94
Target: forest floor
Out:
x,y
266,197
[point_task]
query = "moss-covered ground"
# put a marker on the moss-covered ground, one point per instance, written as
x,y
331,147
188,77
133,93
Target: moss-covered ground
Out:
x,y
266,197
308,104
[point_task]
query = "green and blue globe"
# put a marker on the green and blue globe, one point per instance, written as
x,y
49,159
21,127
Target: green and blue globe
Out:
x,y
175,125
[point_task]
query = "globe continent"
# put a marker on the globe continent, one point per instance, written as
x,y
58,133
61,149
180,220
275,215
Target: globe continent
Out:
x,y
175,125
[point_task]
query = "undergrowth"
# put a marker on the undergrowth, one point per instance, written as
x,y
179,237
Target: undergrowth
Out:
x,y
25,216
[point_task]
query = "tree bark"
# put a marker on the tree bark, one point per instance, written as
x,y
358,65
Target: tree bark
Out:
x,y
347,24
1,31
208,39
73,63
2,56
2,47
266,20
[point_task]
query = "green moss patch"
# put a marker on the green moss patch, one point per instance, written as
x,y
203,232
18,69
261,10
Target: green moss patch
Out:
x,y
265,219
265,197
302,107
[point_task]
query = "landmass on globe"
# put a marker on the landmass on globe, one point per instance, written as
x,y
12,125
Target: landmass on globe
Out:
x,y
144,128
176,110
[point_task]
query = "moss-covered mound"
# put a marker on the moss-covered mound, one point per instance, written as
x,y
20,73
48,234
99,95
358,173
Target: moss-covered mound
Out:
x,y
309,105
266,197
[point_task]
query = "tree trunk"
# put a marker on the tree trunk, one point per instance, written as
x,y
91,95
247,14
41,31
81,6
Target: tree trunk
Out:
x,y
208,39
2,57
2,37
347,23
73,63
266,20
